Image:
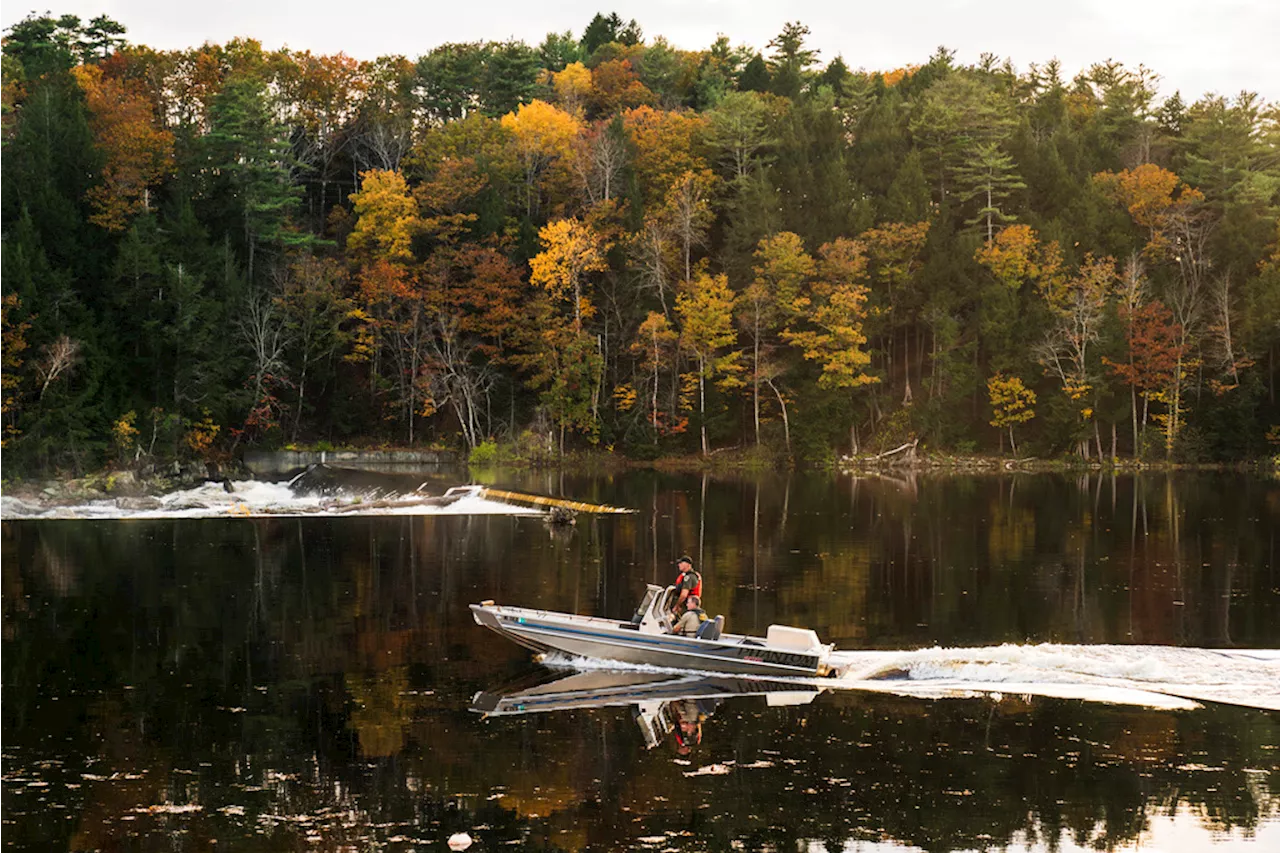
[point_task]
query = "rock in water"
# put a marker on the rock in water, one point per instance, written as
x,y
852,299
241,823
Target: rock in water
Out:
x,y
138,504
561,516
459,841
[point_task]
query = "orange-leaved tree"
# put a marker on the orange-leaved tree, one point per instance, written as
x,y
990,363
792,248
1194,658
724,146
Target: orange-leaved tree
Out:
x,y
667,145
1154,197
615,86
137,150
1179,225
473,296
11,361
390,317
1017,257
655,344
1153,340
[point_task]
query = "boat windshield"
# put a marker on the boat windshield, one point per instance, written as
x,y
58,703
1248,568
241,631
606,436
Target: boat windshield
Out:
x,y
646,602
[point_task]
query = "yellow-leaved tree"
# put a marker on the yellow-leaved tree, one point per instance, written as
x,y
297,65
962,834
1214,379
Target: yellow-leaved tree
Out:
x,y
543,138
1017,257
1020,265
1011,403
386,217
571,250
705,309
573,87
829,319
781,270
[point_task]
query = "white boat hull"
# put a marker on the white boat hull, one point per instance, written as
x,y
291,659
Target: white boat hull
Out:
x,y
628,642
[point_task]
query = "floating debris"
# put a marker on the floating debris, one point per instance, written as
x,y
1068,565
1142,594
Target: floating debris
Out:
x,y
710,770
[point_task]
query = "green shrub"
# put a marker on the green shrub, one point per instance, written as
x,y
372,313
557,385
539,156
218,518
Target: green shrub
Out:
x,y
484,453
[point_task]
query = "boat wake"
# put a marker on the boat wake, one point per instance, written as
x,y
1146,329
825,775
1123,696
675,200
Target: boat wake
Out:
x,y
1163,677
1158,676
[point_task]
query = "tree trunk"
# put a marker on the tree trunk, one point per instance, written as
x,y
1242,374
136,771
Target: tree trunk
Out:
x,y
1174,408
654,402
786,423
1133,405
702,404
755,378
302,390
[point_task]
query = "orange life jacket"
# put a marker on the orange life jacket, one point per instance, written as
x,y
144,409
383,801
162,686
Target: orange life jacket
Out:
x,y
697,586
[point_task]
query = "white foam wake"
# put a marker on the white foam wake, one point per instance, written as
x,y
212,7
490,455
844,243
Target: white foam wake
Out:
x,y
253,498
1163,676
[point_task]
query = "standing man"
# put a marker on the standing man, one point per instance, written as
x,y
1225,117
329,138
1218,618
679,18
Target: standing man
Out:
x,y
688,583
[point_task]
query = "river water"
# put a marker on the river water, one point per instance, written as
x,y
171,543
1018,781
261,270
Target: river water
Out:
x,y
1075,663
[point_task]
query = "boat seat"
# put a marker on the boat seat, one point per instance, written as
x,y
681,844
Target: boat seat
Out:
x,y
711,629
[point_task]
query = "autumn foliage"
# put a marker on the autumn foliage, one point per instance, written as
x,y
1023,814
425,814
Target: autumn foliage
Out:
x,y
138,153
614,239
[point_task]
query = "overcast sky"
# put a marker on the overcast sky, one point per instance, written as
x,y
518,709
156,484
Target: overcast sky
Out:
x,y
1197,46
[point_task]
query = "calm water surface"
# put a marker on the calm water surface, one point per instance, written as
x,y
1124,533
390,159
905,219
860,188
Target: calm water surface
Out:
x,y
287,684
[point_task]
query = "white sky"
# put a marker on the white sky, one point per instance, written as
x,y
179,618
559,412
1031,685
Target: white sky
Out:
x,y
1197,46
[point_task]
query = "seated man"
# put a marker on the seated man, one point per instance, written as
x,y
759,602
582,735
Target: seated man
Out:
x,y
692,618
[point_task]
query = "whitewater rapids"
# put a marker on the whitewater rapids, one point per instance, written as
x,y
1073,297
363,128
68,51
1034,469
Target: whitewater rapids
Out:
x,y
254,498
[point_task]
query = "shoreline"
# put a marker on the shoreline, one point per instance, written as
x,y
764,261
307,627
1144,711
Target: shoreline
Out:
x,y
130,485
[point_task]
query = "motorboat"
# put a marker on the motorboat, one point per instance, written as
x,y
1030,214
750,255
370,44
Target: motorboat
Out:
x,y
660,700
647,639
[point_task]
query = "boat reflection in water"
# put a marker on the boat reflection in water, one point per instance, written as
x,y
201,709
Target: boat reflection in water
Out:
x,y
663,703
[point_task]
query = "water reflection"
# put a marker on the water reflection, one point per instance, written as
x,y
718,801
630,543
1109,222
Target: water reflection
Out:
x,y
662,703
296,683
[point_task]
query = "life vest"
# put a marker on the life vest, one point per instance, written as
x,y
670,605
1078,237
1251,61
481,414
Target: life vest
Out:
x,y
697,586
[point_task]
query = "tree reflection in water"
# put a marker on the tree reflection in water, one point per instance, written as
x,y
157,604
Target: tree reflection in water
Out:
x,y
284,683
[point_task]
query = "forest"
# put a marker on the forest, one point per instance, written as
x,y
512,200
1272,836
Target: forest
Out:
x,y
607,242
